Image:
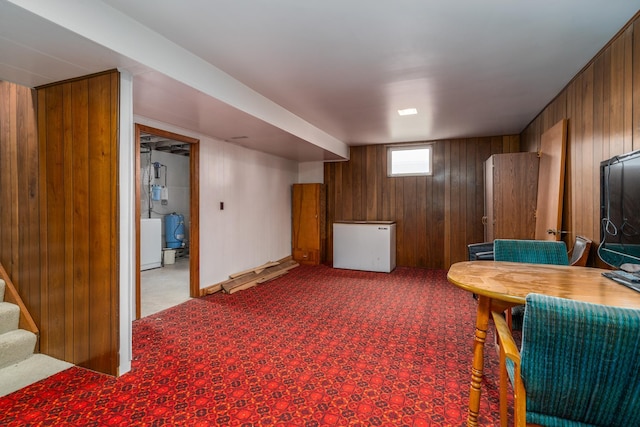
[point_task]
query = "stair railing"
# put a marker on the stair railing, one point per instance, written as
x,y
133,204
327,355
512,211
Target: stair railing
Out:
x,y
11,295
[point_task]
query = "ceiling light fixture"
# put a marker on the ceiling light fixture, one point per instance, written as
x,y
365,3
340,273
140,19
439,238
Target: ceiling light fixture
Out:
x,y
408,112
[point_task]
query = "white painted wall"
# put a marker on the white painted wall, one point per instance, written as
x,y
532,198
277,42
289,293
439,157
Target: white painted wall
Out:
x,y
310,172
126,215
255,225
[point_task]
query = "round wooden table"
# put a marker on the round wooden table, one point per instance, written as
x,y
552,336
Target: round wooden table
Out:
x,y
500,285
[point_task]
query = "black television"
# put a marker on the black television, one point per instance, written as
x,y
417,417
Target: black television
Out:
x,y
620,210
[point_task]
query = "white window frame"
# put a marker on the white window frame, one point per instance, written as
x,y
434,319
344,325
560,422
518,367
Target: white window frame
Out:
x,y
408,147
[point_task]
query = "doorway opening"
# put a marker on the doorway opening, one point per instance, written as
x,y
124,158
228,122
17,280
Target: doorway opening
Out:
x,y
167,219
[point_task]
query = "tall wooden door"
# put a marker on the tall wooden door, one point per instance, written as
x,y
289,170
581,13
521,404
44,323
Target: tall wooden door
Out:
x,y
551,182
308,234
510,196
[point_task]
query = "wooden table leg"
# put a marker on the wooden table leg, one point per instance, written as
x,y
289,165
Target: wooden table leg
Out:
x,y
482,324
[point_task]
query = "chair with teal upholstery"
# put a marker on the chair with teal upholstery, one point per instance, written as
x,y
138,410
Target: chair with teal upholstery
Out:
x,y
579,364
531,251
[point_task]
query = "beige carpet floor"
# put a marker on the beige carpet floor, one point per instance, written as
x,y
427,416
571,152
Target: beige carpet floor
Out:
x,y
29,371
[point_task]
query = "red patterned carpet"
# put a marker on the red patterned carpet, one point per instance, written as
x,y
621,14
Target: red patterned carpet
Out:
x,y
317,347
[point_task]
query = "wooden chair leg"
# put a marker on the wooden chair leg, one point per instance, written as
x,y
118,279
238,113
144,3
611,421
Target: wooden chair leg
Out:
x,y
519,402
504,379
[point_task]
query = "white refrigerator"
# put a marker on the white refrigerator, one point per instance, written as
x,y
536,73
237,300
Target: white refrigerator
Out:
x,y
364,245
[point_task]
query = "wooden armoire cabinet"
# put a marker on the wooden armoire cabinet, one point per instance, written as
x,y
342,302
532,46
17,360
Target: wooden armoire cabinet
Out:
x,y
308,234
511,188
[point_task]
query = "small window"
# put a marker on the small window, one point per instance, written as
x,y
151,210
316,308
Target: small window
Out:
x,y
409,160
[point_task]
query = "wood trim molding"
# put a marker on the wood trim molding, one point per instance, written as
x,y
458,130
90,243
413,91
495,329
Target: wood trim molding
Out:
x,y
194,207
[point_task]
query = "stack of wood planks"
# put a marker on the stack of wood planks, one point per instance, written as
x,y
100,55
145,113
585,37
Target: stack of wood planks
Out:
x,y
254,276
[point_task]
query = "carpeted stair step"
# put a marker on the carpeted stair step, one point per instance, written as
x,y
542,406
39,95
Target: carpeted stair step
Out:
x,y
2,286
16,346
9,317
29,371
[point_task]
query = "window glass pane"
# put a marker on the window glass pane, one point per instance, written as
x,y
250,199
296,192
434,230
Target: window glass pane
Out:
x,y
410,161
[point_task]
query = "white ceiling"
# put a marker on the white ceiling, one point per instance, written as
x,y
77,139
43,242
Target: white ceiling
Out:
x,y
305,79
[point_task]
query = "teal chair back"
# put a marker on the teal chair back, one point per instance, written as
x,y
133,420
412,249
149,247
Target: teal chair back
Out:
x,y
531,251
580,363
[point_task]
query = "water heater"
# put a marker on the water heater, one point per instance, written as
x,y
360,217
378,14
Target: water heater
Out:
x,y
174,230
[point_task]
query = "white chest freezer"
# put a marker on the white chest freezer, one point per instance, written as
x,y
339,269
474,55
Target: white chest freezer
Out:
x,y
364,245
150,243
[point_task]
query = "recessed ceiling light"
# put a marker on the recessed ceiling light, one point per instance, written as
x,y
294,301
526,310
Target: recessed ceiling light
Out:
x,y
408,112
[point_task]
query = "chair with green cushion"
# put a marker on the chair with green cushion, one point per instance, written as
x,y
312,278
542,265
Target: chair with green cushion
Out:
x,y
579,364
529,251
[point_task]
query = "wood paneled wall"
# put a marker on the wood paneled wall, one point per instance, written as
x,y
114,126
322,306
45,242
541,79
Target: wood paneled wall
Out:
x,y
436,216
602,104
58,205
78,172
19,193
